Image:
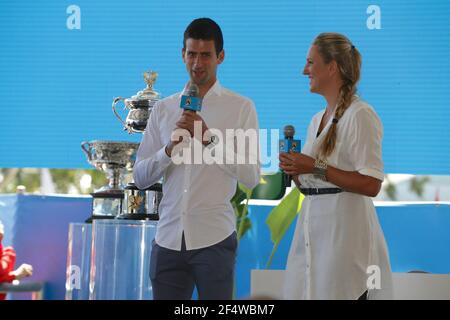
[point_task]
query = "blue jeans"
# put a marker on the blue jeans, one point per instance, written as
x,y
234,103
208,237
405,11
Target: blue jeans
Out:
x,y
175,273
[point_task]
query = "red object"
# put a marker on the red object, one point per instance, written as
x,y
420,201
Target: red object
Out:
x,y
7,261
437,196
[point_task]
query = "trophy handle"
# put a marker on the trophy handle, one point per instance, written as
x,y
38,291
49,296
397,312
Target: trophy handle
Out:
x,y
87,150
115,101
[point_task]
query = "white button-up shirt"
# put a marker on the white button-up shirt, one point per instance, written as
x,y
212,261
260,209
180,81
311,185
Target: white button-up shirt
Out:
x,y
338,241
196,197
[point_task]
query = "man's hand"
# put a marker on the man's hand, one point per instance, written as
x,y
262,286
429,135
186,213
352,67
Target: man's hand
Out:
x,y
189,119
185,129
25,270
178,136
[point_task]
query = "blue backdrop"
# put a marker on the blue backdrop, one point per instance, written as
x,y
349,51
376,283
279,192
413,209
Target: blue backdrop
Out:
x,y
61,66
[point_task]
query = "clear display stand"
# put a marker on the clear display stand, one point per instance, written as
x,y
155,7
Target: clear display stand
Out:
x,y
78,261
120,259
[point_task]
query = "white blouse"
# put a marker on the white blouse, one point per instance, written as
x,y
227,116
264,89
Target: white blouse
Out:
x,y
338,245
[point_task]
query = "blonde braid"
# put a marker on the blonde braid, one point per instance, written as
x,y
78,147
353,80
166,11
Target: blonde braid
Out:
x,y
345,99
336,47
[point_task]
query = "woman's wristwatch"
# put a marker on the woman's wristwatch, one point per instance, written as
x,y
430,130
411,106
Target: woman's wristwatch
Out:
x,y
320,169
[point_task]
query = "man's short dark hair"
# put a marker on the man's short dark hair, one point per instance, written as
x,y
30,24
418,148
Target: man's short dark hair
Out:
x,y
204,29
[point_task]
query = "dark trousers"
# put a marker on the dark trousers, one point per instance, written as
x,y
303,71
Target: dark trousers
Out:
x,y
363,296
175,273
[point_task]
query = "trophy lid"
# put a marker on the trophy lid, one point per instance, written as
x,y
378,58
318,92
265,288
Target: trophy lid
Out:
x,y
148,93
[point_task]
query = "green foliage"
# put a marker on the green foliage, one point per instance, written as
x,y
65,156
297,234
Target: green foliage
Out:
x,y
391,191
65,180
281,217
11,178
417,185
31,179
240,205
278,220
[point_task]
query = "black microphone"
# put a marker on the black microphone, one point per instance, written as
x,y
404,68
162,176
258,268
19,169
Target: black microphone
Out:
x,y
289,132
289,144
190,100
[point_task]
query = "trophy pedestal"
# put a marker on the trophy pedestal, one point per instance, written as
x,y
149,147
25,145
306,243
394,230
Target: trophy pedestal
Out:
x,y
141,204
106,204
78,261
120,260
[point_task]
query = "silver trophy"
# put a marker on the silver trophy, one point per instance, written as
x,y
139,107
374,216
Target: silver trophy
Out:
x,y
116,159
139,105
140,204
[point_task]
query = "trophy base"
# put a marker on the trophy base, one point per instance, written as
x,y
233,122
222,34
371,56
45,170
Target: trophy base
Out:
x,y
92,218
139,216
107,205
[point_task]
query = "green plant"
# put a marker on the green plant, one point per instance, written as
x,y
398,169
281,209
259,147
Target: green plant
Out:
x,y
64,180
390,189
281,217
278,220
417,185
240,205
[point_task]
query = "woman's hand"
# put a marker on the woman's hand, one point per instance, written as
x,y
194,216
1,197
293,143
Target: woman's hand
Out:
x,y
351,181
25,270
294,163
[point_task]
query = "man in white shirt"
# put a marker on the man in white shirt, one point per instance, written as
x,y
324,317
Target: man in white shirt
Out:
x,y
196,241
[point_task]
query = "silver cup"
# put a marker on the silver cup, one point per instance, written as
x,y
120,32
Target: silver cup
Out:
x,y
139,105
115,158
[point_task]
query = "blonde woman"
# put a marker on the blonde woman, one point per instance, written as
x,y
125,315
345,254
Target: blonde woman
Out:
x,y
338,250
